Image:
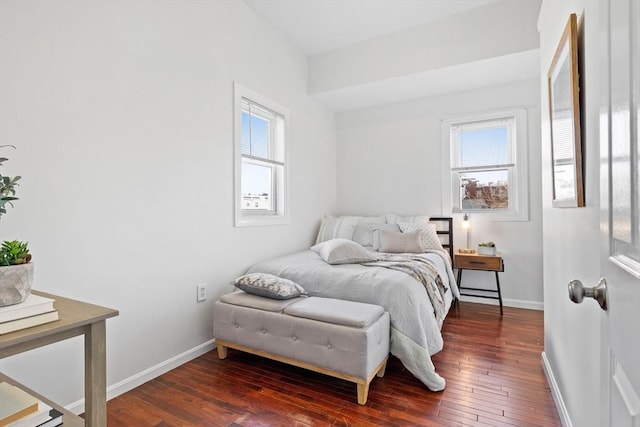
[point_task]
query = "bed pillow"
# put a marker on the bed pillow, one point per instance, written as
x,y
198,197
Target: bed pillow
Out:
x,y
429,239
375,236
268,286
364,232
394,242
342,251
372,219
336,228
394,219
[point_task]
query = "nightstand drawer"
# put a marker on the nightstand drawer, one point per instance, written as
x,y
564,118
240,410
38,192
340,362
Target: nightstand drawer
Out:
x,y
478,262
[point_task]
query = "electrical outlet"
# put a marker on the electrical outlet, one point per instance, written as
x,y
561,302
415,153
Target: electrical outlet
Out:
x,y
202,292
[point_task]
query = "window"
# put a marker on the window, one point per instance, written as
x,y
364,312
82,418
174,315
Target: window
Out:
x,y
487,165
261,160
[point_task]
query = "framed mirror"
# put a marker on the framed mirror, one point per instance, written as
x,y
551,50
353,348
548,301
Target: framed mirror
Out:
x,y
564,108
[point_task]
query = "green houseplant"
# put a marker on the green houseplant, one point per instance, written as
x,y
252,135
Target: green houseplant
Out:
x,y
7,187
16,270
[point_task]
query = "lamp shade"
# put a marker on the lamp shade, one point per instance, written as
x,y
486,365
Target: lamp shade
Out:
x,y
466,225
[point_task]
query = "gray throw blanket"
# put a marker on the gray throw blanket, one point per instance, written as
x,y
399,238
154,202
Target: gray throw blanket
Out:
x,y
423,271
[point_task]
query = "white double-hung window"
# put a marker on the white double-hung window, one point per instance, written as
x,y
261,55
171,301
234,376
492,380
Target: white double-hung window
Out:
x,y
260,160
487,165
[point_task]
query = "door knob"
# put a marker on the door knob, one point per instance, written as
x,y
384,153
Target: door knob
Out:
x,y
577,292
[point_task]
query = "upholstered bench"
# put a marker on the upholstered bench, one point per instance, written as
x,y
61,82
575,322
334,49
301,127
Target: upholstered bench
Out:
x,y
344,339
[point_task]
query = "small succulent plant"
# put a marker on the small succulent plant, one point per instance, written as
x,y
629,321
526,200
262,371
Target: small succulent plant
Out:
x,y
14,252
487,245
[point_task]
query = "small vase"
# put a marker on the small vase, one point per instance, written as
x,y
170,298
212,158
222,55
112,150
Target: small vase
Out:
x,y
486,250
15,283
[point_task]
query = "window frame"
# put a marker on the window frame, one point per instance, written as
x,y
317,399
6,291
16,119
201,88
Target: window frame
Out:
x,y
518,174
280,186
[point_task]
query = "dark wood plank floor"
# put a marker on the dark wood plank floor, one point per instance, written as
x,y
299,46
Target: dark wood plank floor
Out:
x,y
491,364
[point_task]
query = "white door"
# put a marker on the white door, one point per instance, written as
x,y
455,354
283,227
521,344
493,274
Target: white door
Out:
x,y
620,226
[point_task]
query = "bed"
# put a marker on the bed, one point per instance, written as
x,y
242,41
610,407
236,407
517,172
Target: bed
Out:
x,y
405,284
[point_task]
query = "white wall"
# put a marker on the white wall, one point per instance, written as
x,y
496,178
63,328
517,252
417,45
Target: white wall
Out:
x,y
389,160
121,113
571,236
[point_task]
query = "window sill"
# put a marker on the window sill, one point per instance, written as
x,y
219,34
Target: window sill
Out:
x,y
261,220
507,215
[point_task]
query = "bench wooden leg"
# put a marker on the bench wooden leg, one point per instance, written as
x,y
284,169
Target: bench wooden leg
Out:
x,y
363,387
363,393
222,351
380,373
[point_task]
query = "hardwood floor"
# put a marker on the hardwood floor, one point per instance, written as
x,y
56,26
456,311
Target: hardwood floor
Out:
x,y
491,364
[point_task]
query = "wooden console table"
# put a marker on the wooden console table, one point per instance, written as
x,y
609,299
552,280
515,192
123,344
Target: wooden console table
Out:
x,y
76,318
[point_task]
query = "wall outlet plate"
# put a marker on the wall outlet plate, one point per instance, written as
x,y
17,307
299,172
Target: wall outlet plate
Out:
x,y
202,292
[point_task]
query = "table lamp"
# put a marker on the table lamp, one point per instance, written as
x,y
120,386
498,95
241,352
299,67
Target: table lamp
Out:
x,y
466,227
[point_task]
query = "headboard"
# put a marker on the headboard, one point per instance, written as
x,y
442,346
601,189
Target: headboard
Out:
x,y
444,227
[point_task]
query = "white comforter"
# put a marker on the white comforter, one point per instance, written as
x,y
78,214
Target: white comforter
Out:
x,y
415,334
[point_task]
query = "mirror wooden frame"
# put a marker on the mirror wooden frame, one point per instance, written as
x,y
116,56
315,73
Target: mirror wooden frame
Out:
x,y
564,112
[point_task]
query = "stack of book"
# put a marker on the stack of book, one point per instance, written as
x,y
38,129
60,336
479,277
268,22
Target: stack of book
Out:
x,y
20,409
33,311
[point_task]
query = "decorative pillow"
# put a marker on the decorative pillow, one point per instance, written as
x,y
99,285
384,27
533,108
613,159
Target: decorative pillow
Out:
x,y
400,242
375,237
364,232
429,239
342,251
394,219
268,286
336,228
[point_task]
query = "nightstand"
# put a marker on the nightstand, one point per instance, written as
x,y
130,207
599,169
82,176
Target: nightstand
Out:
x,y
479,262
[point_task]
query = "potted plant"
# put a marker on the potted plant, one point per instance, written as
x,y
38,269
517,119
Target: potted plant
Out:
x,y
487,248
16,270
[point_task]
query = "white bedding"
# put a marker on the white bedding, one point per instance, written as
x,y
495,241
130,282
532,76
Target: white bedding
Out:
x,y
415,334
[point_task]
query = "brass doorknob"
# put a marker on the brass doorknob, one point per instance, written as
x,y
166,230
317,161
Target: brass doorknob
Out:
x,y
577,292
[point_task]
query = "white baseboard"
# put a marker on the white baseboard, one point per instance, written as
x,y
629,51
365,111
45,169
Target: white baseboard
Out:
x,y
555,392
517,303
148,374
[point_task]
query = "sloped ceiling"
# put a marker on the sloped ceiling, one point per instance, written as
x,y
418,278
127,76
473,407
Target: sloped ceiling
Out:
x,y
316,26
364,53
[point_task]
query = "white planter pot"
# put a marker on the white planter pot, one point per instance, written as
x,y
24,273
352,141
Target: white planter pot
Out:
x,y
15,283
486,250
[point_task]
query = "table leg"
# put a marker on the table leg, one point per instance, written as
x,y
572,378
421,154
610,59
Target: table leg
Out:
x,y
499,291
95,375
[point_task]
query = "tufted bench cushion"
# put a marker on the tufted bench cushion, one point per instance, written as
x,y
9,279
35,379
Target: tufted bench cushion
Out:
x,y
336,311
345,339
254,301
